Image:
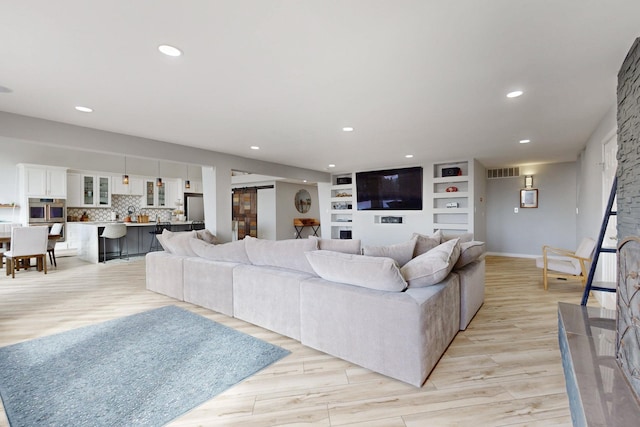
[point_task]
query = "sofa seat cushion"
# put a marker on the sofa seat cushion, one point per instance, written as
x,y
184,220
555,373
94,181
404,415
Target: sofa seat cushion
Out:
x,y
268,297
209,284
381,273
281,253
398,334
164,274
433,266
401,252
228,252
472,285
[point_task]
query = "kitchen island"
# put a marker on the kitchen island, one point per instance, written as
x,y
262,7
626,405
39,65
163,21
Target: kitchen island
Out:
x,y
85,237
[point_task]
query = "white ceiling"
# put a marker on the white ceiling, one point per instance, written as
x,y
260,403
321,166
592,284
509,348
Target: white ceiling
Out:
x,y
418,77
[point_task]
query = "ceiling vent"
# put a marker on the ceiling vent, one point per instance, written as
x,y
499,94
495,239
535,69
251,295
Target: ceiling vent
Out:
x,y
503,172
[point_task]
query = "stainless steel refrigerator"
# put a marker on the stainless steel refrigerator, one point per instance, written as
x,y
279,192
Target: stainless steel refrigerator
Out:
x,y
194,207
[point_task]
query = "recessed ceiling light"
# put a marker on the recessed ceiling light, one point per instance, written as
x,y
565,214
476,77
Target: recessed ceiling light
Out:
x,y
347,129
514,94
169,50
525,141
332,165
255,147
84,109
409,156
304,180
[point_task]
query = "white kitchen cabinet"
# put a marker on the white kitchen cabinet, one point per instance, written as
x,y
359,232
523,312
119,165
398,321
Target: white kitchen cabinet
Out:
x,y
44,181
74,190
134,188
160,197
87,190
196,187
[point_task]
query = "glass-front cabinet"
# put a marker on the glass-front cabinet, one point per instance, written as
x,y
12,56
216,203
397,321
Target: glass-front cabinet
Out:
x,y
149,193
104,182
88,183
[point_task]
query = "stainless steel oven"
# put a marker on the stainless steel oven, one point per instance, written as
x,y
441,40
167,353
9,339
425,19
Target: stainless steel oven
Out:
x,y
47,211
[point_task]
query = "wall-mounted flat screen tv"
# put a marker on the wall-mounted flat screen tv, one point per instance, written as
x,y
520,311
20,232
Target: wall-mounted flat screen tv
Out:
x,y
392,189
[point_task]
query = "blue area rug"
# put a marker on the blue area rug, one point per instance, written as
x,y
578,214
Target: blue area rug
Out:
x,y
140,370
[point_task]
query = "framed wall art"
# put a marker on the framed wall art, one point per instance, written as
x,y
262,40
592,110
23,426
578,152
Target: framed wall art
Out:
x,y
529,198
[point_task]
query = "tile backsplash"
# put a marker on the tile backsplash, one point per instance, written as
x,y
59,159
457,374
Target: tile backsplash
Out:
x,y
120,205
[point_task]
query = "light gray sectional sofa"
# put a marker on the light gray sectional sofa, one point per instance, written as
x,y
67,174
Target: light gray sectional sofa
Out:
x,y
369,309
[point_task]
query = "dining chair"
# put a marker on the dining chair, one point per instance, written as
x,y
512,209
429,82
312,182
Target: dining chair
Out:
x,y
196,225
27,243
51,243
6,228
117,232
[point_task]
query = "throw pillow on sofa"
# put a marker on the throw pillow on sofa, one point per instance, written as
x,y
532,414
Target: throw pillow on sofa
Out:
x,y
401,252
281,253
177,243
432,267
426,243
469,252
207,236
380,273
229,252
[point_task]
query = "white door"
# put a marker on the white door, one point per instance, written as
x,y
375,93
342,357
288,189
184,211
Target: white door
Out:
x,y
607,270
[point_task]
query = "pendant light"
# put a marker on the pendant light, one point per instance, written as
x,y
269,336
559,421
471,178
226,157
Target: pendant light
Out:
x,y
158,179
187,183
125,177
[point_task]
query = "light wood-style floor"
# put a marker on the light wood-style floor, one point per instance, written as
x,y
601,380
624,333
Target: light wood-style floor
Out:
x,y
504,370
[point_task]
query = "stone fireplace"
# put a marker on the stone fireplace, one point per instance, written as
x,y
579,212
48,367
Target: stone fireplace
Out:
x,y
628,298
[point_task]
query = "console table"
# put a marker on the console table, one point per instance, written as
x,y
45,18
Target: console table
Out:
x,y
300,223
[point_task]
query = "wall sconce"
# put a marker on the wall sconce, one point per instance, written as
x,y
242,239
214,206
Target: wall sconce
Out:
x,y
528,181
125,177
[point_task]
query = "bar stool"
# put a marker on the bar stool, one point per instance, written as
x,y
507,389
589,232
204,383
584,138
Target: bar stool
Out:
x,y
159,228
196,225
113,231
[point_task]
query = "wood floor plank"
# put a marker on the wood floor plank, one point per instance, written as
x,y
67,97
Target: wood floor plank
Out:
x,y
504,370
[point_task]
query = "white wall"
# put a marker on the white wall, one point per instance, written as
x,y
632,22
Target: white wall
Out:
x,y
552,223
286,210
267,213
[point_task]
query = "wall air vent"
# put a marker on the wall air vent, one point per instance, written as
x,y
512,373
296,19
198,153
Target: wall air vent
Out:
x,y
503,172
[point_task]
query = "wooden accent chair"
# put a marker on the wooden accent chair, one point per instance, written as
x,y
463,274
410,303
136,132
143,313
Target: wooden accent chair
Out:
x,y
27,243
563,263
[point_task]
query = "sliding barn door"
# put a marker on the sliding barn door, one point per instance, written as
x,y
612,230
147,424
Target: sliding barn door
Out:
x,y
245,211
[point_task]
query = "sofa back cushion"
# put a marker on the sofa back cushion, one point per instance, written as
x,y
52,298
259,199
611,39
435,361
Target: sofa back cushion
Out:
x,y
229,252
347,246
433,266
469,252
381,273
401,252
177,243
426,243
281,253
